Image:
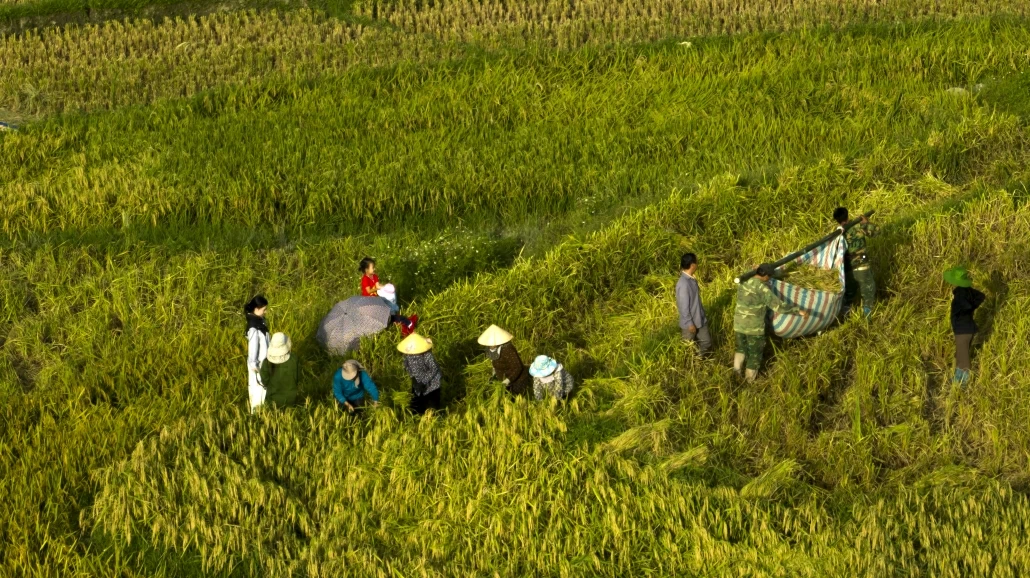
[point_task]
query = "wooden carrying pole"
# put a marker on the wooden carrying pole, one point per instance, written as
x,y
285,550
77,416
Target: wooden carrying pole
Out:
x,y
807,248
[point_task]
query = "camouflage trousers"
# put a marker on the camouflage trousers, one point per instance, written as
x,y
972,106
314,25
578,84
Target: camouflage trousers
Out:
x,y
860,281
753,348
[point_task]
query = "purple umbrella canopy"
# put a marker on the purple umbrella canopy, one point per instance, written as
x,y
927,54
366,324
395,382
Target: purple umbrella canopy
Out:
x,y
342,329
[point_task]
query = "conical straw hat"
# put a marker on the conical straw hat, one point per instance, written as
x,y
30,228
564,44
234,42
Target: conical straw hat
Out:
x,y
494,336
414,344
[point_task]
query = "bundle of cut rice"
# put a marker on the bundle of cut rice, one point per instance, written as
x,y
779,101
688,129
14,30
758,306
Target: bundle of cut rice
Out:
x,y
809,277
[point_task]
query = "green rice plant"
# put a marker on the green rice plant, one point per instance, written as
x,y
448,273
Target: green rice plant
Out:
x,y
373,147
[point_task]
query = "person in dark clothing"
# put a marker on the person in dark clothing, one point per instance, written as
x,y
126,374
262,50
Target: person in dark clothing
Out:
x,y
964,301
425,373
279,372
507,364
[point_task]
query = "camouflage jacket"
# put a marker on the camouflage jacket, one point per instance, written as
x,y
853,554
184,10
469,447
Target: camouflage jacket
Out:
x,y
856,236
753,299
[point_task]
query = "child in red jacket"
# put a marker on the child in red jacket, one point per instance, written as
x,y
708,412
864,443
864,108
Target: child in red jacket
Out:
x,y
370,287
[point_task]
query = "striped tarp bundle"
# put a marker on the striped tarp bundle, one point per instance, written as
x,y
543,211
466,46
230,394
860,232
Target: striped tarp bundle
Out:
x,y
822,306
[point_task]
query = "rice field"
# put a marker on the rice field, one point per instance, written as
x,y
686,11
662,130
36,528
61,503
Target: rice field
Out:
x,y
539,165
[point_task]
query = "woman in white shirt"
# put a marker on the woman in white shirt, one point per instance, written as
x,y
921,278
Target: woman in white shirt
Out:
x,y
257,348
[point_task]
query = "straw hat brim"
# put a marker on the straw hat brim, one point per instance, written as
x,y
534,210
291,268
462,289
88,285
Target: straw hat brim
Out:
x,y
414,344
543,368
494,336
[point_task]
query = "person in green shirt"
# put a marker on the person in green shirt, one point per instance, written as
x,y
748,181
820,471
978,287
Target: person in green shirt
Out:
x,y
754,299
858,271
279,372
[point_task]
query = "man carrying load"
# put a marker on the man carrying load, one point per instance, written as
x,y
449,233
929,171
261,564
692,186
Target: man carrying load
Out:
x,y
754,299
858,272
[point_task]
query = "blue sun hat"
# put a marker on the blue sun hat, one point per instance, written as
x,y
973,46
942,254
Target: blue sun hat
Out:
x,y
543,366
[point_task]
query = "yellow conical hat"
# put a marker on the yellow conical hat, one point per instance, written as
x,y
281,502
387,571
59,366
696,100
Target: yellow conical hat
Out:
x,y
414,344
494,336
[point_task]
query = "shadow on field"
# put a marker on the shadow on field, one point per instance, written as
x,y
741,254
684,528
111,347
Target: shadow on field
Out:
x,y
895,239
824,411
997,290
716,313
453,359
932,410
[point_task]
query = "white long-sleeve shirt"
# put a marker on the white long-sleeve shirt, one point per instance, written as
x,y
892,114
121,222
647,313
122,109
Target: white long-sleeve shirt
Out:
x,y
257,350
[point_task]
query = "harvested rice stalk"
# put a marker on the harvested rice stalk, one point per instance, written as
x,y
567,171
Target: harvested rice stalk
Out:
x,y
810,277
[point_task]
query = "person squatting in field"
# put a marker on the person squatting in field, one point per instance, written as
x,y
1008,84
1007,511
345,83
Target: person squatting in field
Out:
x,y
858,271
370,287
279,372
693,322
425,373
257,347
549,377
352,384
964,301
507,365
754,299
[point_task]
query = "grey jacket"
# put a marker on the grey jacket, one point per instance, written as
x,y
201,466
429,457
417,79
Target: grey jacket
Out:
x,y
688,301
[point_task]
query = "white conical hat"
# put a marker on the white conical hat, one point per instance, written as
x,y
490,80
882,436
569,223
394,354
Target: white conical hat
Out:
x,y
494,336
414,344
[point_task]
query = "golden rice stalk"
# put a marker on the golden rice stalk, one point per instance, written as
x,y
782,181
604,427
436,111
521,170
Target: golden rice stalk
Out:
x,y
771,480
810,277
692,457
648,436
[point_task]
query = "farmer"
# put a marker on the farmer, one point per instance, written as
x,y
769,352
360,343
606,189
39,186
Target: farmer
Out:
x,y
507,364
549,377
351,383
964,301
257,348
754,298
424,371
693,322
279,372
858,272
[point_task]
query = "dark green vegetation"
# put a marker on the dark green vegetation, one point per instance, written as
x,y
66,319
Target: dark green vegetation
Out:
x,y
549,192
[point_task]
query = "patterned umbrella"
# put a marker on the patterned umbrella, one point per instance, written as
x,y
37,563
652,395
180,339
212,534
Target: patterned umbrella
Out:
x,y
341,330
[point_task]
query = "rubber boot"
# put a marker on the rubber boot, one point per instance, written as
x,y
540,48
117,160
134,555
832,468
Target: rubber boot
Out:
x,y
961,376
751,375
738,363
